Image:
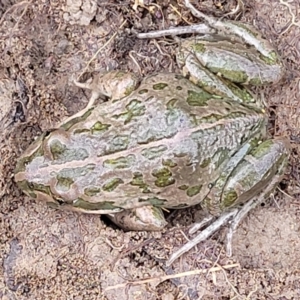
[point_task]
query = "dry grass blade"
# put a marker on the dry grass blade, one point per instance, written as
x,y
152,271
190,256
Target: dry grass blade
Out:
x,y
167,277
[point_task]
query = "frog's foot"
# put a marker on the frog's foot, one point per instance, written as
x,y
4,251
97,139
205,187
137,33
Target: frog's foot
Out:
x,y
246,208
205,234
233,217
145,218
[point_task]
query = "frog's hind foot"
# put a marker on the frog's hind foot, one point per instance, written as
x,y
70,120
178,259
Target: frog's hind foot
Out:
x,y
205,234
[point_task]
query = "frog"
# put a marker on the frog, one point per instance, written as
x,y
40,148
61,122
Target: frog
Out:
x,y
169,141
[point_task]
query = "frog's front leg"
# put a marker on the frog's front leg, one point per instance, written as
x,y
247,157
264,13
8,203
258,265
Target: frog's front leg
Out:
x,y
112,85
251,180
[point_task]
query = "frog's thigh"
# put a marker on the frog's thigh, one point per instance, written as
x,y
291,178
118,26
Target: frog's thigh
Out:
x,y
146,218
239,65
255,172
211,82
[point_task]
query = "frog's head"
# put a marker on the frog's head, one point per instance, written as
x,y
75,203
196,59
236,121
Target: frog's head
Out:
x,y
48,171
26,167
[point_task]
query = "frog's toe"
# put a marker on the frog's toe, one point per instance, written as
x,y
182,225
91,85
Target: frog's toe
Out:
x,y
146,218
204,234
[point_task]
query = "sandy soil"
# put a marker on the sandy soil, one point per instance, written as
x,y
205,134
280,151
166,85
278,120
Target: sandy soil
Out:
x,y
48,254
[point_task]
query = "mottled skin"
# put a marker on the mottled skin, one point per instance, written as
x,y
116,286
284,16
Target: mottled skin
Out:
x,y
169,143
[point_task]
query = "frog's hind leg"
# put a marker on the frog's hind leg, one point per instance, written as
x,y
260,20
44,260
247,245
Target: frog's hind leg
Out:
x,y
243,33
205,234
234,216
252,181
213,84
244,211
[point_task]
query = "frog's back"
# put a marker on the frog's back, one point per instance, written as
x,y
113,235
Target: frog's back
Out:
x,y
164,144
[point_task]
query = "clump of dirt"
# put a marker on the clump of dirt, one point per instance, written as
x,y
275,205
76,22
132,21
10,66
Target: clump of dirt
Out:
x,y
80,12
61,255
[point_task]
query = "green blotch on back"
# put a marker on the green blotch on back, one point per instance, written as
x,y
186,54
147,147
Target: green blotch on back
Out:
x,y
61,153
212,118
193,190
155,201
199,47
143,91
164,177
134,108
138,181
92,191
89,206
205,163
154,152
171,103
198,98
74,173
118,143
183,187
67,176
120,163
99,127
159,86
169,163
112,184
66,126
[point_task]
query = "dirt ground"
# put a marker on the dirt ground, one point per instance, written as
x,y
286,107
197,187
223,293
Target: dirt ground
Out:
x,y
49,254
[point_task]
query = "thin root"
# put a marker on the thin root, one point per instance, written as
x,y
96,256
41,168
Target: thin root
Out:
x,y
285,3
